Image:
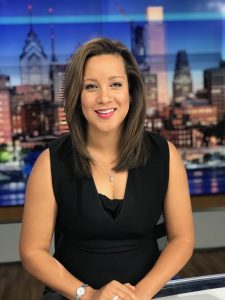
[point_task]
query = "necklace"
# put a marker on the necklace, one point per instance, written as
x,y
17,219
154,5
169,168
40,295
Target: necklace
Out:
x,y
111,175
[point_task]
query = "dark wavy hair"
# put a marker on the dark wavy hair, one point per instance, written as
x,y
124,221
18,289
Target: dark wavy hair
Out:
x,y
133,148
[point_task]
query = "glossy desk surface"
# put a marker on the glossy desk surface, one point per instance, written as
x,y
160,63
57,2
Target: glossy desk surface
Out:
x,y
195,288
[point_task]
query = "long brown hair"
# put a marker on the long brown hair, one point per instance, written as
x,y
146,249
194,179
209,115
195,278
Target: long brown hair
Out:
x,y
133,152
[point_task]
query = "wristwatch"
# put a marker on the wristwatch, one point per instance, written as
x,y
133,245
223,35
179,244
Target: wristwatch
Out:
x,y
81,291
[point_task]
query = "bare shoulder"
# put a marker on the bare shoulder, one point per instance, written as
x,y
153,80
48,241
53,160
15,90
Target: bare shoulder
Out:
x,y
176,162
43,161
41,171
40,207
174,152
178,183
39,181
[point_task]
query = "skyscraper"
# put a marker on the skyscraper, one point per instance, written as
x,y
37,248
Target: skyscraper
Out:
x,y
138,42
5,112
34,66
182,82
151,88
214,81
156,51
37,118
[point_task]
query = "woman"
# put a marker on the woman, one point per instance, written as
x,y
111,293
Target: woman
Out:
x,y
103,187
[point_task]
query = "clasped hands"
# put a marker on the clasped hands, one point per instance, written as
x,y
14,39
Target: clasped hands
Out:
x,y
115,290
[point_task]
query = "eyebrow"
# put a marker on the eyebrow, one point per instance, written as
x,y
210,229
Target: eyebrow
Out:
x,y
110,78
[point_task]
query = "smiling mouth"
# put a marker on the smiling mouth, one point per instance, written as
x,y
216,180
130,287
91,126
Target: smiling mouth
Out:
x,y
105,111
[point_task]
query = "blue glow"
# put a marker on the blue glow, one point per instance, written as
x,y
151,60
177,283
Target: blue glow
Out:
x,y
21,20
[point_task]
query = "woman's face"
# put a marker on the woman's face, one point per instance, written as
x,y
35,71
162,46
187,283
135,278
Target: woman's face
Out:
x,y
105,95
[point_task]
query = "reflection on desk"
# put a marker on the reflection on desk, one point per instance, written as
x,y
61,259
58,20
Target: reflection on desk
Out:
x,y
213,294
199,288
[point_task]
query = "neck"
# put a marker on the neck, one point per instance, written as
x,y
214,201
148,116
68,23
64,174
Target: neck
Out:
x,y
105,143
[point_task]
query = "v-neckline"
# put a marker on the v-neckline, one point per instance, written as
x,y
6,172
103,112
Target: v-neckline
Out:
x,y
124,201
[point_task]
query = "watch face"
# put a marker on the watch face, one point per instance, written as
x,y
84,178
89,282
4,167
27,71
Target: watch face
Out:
x,y
80,291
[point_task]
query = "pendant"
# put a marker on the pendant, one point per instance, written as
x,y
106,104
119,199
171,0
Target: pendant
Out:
x,y
111,178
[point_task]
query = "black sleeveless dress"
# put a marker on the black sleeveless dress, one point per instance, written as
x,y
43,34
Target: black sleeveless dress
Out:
x,y
97,242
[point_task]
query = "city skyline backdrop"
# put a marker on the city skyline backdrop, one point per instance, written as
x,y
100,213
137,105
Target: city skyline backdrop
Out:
x,y
196,27
179,47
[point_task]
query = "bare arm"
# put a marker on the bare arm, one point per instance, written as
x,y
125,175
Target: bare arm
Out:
x,y
179,223
37,230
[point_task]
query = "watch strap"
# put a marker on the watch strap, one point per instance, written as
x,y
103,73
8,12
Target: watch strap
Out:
x,y
84,285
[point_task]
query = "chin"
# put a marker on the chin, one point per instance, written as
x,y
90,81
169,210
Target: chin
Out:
x,y
106,130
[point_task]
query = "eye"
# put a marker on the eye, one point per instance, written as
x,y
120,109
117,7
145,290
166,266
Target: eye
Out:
x,y
116,85
90,86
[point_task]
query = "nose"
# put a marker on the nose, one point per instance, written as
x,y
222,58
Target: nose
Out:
x,y
104,96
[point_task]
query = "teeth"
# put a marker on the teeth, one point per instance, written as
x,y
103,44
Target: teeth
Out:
x,y
106,111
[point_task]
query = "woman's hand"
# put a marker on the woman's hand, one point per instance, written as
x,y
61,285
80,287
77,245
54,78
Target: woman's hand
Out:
x,y
110,290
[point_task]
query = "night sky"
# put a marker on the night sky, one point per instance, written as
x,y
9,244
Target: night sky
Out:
x,y
196,26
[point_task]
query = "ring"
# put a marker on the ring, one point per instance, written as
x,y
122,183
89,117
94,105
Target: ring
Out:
x,y
115,297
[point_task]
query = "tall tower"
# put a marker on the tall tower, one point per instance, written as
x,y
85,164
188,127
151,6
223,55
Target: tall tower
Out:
x,y
151,88
214,81
5,112
182,82
52,36
53,57
156,51
138,42
34,66
56,75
